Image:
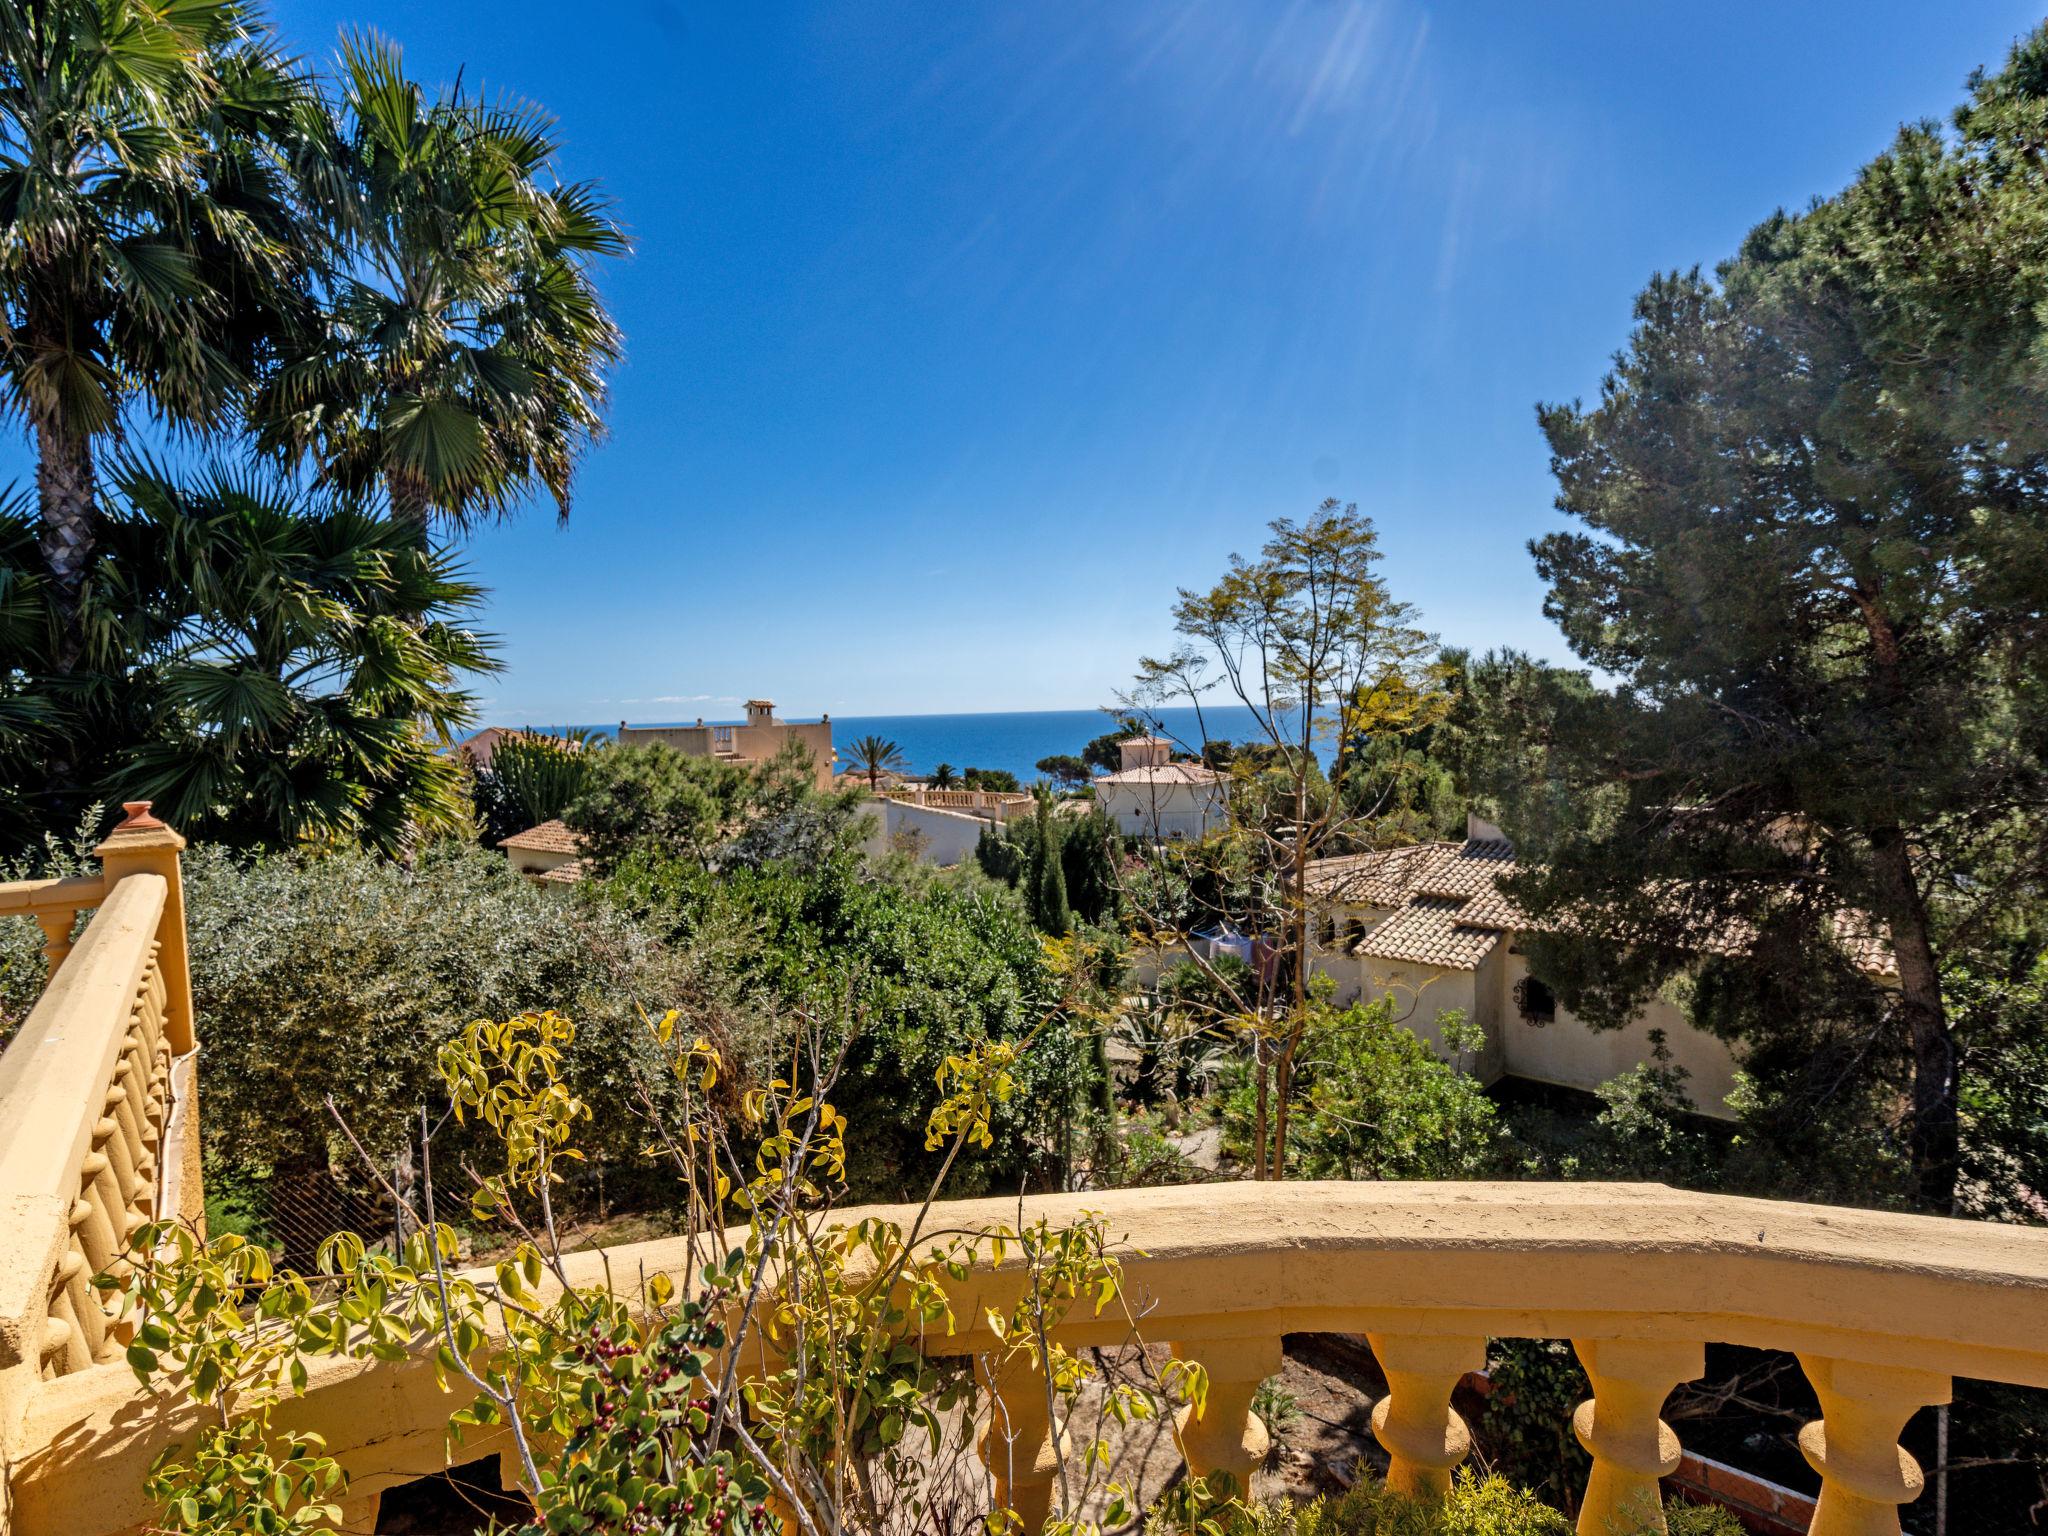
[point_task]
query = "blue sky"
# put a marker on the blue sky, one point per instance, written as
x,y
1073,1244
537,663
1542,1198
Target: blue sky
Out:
x,y
959,335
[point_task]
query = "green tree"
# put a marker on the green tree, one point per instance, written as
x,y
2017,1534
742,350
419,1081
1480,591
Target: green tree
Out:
x,y
875,756
999,781
656,801
943,776
1105,752
149,248
537,776
460,352
1047,893
1064,769
266,664
1818,576
1307,638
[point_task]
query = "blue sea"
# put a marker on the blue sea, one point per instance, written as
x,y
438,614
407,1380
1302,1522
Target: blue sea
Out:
x,y
1015,741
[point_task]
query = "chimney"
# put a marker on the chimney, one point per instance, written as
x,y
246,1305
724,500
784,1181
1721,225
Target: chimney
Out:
x,y
1146,752
1480,830
760,712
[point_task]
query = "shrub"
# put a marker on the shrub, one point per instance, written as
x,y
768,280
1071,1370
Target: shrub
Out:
x,y
925,968
1371,1101
342,974
1477,1506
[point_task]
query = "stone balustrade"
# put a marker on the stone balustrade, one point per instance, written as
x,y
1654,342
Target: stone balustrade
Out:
x,y
1882,1311
994,805
96,1137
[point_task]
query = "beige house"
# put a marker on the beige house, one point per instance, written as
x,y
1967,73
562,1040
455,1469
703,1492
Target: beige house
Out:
x,y
760,738
1153,796
549,852
1429,927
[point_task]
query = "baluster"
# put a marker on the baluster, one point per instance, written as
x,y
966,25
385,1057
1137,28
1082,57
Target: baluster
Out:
x,y
94,1234
74,1353
1423,1435
56,926
57,1335
1227,1437
1865,1475
74,1282
1619,1425
1017,1447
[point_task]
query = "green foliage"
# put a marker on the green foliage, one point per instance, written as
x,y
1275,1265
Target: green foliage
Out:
x,y
658,803
1046,894
1085,862
873,756
999,781
1065,770
1374,1102
456,352
927,970
1815,562
1646,1125
1105,752
538,775
1477,1506
268,665
343,974
1526,1430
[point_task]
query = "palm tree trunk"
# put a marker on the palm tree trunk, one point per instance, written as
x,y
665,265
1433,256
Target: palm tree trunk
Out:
x,y
67,498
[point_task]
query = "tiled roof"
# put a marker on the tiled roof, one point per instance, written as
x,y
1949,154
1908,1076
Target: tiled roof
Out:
x,y
549,837
1430,929
1167,773
1449,910
563,874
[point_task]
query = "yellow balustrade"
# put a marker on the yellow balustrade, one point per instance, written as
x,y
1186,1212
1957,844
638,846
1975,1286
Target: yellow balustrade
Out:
x,y
1882,1309
92,1144
98,1134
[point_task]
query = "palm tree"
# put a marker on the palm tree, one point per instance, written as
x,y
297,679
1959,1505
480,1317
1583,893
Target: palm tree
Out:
x,y
875,756
294,655
463,348
943,776
149,250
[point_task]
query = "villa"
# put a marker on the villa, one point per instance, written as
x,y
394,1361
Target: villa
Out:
x,y
1154,797
758,740
549,852
1429,927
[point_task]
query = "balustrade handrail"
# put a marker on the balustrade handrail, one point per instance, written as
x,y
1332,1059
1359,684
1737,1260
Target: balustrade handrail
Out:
x,y
1882,1309
55,1074
62,893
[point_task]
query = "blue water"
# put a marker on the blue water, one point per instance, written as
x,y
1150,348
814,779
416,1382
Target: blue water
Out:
x,y
1014,741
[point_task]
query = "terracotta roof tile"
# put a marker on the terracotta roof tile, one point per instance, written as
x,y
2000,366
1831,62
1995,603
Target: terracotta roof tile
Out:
x,y
1430,930
1170,773
1449,908
549,837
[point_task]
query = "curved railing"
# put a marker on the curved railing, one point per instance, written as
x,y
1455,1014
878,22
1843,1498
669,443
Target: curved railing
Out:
x,y
1882,1311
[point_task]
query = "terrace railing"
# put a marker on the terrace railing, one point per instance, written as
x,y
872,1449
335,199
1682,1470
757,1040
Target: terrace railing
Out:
x,y
96,1133
1883,1311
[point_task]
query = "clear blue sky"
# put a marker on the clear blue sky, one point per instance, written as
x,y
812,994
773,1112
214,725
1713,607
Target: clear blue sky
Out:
x,y
959,335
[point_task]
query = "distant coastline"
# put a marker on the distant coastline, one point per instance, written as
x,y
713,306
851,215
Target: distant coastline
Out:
x,y
1012,740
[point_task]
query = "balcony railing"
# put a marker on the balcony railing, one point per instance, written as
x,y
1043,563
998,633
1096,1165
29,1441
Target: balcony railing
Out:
x,y
1882,1311
94,1140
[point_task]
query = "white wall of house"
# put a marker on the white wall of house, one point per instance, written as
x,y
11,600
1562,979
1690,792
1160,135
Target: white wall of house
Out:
x,y
1564,1052
940,837
1162,811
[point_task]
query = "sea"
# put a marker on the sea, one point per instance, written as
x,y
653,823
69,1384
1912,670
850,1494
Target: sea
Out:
x,y
1014,740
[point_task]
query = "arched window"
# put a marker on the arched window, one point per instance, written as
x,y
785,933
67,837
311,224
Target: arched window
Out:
x,y
1535,1002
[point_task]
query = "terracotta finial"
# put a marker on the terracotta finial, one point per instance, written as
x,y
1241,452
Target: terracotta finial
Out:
x,y
139,819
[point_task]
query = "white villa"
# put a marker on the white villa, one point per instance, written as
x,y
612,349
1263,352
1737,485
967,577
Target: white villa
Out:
x,y
1153,796
1429,926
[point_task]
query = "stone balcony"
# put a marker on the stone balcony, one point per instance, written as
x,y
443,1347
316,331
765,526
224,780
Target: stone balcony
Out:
x,y
1882,1311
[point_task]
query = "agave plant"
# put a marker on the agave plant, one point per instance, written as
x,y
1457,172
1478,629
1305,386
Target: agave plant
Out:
x,y
540,774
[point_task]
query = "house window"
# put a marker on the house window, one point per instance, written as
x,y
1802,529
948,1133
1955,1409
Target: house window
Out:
x,y
1535,1002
